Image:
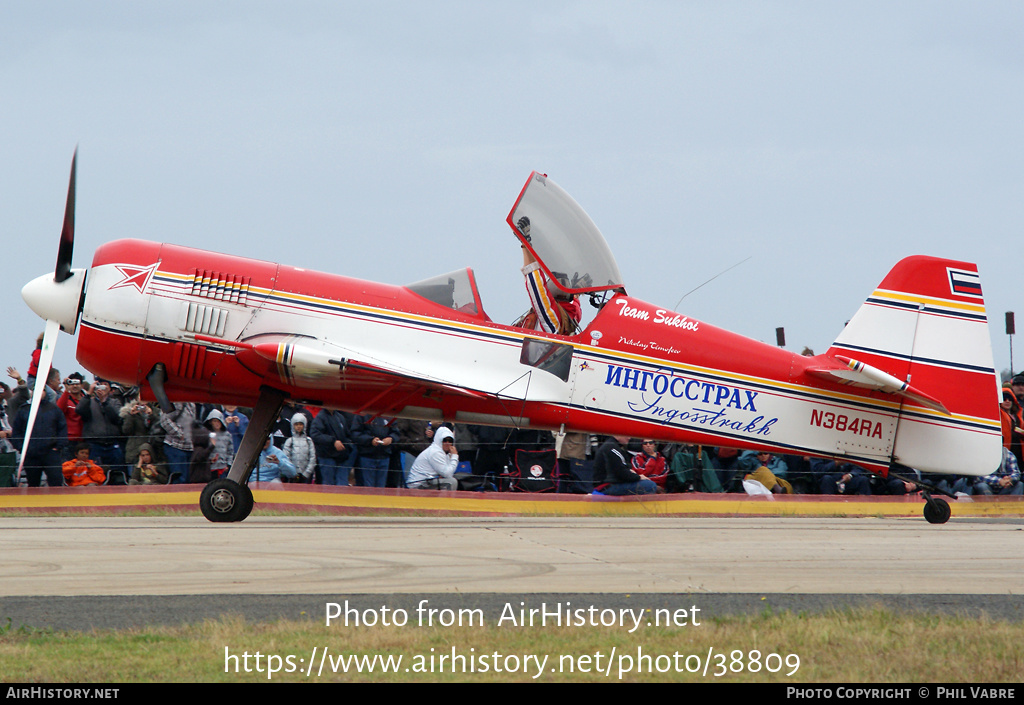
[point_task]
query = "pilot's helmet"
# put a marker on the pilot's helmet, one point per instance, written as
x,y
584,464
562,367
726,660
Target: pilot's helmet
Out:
x,y
563,283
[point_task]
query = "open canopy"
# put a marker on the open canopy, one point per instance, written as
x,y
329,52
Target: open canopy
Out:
x,y
562,237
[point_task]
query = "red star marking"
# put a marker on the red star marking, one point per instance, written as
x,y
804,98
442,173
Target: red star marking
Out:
x,y
134,276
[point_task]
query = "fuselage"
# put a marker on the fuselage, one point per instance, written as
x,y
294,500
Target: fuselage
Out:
x,y
637,369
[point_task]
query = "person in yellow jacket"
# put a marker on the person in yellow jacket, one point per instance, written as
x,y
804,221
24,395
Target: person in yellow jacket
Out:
x,y
775,485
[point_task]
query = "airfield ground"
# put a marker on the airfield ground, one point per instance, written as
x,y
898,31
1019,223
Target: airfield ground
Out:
x,y
113,559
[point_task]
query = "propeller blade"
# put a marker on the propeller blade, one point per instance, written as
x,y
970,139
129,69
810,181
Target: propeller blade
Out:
x,y
67,233
45,362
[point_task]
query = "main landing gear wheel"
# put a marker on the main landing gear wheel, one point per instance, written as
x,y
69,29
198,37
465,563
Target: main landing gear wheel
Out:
x,y
936,510
226,500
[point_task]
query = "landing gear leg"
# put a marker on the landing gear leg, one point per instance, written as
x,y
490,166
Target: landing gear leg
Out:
x,y
936,509
229,498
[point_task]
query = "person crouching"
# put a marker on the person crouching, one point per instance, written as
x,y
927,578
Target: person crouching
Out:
x,y
434,468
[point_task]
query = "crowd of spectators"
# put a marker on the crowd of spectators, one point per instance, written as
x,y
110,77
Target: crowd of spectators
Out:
x,y
100,433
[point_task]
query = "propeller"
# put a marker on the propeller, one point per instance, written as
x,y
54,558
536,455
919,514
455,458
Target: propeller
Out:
x,y
67,234
58,300
45,361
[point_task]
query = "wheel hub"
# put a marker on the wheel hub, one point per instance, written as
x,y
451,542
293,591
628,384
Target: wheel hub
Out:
x,y
222,501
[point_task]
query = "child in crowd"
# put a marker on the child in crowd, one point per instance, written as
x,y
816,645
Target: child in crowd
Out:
x,y
223,445
300,450
80,471
147,471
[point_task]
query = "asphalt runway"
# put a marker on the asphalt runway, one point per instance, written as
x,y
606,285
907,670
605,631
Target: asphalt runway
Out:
x,y
83,572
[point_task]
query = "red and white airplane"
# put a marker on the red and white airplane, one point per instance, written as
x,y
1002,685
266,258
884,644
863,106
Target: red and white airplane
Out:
x,y
910,380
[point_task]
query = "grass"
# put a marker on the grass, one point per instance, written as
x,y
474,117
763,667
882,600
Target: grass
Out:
x,y
857,645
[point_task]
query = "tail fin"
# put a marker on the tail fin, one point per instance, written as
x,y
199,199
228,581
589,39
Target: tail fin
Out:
x,y
925,326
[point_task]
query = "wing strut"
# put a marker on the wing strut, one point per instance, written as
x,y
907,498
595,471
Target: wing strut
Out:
x,y
516,422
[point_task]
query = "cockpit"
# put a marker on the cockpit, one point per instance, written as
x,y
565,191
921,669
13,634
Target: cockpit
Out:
x,y
455,290
561,237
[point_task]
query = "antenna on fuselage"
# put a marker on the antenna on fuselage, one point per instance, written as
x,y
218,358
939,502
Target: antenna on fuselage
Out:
x,y
709,281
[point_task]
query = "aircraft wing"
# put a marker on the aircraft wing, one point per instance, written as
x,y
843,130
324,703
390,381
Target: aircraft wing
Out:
x,y
306,362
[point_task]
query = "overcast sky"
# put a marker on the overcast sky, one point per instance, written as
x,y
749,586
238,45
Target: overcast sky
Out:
x,y
388,140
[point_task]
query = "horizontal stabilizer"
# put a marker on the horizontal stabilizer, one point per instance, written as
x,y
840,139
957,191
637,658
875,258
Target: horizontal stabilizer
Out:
x,y
861,374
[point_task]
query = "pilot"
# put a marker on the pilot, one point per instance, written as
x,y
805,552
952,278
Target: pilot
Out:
x,y
553,310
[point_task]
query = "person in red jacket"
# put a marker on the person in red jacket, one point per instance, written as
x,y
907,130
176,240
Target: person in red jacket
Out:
x,y
68,402
81,472
33,366
651,464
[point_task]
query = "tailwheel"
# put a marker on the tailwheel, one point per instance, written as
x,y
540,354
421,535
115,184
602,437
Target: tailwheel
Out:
x,y
226,500
936,510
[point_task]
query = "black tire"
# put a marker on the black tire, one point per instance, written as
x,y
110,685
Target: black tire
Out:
x,y
248,500
937,511
225,500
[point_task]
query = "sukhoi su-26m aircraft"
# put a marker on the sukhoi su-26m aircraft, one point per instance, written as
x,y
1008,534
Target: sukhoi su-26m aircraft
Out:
x,y
909,382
